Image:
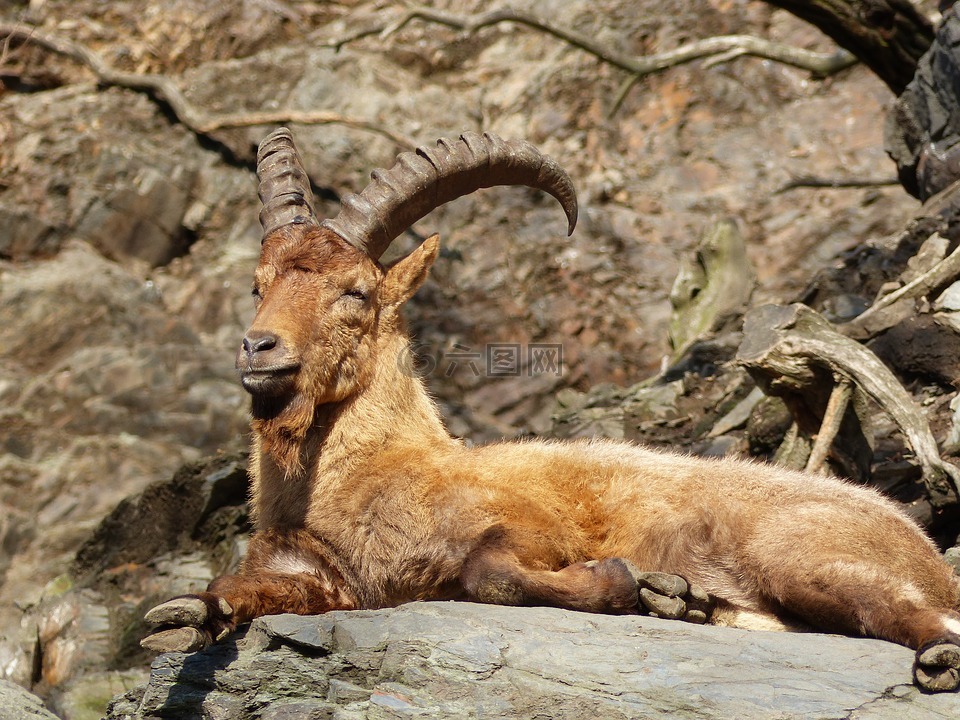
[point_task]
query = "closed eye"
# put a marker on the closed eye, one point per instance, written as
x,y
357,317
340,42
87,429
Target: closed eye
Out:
x,y
356,294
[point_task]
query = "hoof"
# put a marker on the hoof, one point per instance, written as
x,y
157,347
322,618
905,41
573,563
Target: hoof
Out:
x,y
937,667
188,624
181,639
670,596
665,606
189,611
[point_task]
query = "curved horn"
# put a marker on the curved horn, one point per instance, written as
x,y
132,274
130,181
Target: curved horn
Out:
x,y
423,180
284,185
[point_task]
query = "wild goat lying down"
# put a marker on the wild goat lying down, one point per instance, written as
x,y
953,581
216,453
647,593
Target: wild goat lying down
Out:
x,y
362,500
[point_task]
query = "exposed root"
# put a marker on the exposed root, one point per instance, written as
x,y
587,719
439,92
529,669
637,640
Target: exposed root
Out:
x,y
790,349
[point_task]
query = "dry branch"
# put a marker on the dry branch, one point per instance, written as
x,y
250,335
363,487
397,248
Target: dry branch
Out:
x,y
810,181
817,63
837,405
883,314
791,351
165,90
720,49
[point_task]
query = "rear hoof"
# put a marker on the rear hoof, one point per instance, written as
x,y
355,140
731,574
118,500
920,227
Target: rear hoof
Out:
x,y
937,667
672,597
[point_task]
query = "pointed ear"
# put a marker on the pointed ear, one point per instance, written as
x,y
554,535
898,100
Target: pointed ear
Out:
x,y
406,276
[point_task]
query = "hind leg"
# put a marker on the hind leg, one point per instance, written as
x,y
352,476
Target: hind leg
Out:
x,y
495,573
937,665
860,598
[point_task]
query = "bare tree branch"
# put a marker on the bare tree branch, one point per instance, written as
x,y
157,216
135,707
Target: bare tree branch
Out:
x,y
878,317
840,398
810,181
167,91
720,48
725,46
5,51
791,351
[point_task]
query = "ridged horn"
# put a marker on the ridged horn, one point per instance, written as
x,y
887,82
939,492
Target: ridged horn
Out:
x,y
425,179
284,185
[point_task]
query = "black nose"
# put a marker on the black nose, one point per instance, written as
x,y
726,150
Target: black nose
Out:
x,y
255,342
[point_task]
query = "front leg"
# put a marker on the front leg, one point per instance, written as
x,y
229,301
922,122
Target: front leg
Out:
x,y
192,622
283,573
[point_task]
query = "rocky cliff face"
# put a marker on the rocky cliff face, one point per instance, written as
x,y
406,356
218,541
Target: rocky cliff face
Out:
x,y
127,241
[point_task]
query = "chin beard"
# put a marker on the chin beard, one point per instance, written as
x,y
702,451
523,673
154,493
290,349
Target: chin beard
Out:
x,y
268,407
281,424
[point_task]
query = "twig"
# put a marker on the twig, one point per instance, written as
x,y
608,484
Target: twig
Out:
x,y
832,418
166,91
625,87
724,57
5,51
940,274
809,181
338,43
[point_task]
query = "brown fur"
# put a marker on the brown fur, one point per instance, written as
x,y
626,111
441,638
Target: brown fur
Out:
x,y
361,499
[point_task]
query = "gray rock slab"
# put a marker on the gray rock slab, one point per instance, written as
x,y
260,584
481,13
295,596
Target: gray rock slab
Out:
x,y
461,660
17,703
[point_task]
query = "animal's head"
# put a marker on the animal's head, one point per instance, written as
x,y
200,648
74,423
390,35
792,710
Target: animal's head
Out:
x,y
324,303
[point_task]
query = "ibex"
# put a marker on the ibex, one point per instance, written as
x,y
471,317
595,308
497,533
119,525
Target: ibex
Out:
x,y
361,499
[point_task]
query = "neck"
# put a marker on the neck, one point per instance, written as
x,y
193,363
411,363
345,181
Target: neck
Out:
x,y
391,407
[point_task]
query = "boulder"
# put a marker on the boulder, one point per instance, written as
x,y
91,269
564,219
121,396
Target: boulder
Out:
x,y
19,704
463,660
922,131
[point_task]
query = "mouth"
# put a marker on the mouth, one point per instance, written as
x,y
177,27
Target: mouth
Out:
x,y
269,382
